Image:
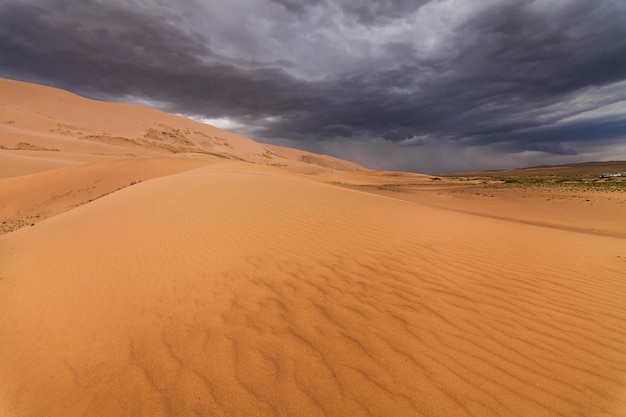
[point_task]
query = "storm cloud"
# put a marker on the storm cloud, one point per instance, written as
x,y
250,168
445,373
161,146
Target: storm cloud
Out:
x,y
429,86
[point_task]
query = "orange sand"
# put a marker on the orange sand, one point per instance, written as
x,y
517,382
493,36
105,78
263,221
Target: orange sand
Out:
x,y
216,286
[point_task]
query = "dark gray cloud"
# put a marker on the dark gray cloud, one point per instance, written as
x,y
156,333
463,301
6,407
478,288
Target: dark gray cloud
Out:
x,y
372,12
421,85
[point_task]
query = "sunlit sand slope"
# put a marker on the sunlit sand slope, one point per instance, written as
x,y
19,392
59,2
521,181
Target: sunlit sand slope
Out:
x,y
240,290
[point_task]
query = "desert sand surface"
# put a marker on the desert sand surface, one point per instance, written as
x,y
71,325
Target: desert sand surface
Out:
x,y
597,212
179,274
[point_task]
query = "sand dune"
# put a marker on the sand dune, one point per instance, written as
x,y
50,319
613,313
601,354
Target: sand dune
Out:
x,y
34,116
237,290
213,287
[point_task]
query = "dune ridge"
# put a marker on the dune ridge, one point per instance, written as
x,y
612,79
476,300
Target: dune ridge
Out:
x,y
189,284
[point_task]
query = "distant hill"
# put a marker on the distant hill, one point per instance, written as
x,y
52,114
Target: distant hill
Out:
x,y
579,170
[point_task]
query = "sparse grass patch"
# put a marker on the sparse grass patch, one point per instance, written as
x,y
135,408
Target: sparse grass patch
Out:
x,y
25,146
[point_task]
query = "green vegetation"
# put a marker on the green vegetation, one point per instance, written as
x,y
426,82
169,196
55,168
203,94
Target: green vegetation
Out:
x,y
574,177
581,184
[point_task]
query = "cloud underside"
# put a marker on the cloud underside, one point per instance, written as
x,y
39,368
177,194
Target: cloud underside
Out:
x,y
499,77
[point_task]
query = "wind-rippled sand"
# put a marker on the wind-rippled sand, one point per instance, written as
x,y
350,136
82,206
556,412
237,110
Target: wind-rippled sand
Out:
x,y
240,290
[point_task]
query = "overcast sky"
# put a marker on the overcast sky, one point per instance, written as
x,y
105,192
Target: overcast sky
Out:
x,y
421,85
